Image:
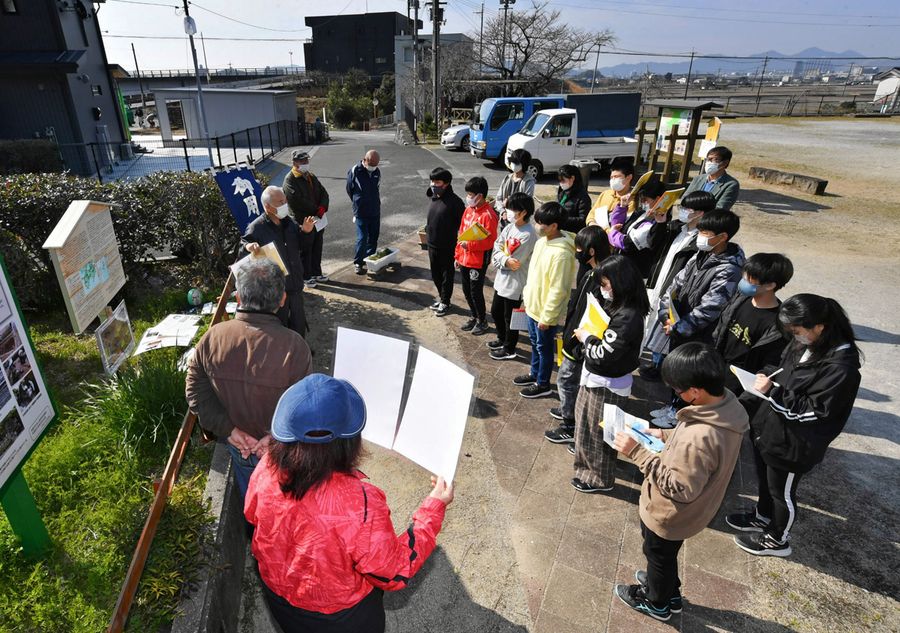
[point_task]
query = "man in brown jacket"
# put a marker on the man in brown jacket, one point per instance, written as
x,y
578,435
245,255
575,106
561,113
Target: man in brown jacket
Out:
x,y
241,367
683,484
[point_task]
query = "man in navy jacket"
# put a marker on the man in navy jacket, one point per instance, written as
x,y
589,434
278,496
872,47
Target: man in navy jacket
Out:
x,y
363,180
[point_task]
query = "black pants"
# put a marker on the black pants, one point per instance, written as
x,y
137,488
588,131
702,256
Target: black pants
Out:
x,y
366,616
777,497
662,567
293,314
312,253
442,271
501,311
473,287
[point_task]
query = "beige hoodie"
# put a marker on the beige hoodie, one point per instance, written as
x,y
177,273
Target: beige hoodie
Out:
x,y
685,483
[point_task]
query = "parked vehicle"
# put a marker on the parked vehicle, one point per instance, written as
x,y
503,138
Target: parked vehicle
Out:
x,y
596,128
497,119
456,137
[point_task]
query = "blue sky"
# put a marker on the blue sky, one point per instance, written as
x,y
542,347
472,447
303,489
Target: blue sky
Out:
x,y
708,26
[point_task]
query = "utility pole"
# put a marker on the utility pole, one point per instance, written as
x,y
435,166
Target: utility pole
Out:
x,y
416,78
505,4
687,84
140,80
481,42
205,63
190,27
596,63
437,16
759,86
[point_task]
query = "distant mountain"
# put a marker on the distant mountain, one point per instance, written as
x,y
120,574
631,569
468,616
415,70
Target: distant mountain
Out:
x,y
740,66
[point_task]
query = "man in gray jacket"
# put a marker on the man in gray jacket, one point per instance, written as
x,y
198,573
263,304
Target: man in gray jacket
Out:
x,y
724,187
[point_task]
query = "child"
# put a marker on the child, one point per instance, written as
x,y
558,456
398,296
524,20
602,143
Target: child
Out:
x,y
512,250
473,256
546,293
748,335
518,180
680,246
702,289
642,235
444,215
809,406
614,204
573,196
608,363
685,483
591,248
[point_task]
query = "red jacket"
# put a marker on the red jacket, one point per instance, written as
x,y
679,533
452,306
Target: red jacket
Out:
x,y
327,551
473,255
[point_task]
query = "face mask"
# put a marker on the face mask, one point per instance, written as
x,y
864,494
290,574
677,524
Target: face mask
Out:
x,y
370,168
803,339
436,191
617,184
303,168
606,294
583,257
282,211
711,168
510,216
684,215
645,206
685,400
470,201
565,186
515,167
703,243
746,288
540,229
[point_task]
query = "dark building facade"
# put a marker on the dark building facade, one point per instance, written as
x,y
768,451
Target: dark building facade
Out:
x,y
364,41
54,77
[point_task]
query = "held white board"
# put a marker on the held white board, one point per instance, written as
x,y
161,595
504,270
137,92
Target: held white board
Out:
x,y
434,421
376,366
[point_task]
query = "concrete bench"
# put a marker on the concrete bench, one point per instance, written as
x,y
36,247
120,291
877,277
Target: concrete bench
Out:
x,y
807,184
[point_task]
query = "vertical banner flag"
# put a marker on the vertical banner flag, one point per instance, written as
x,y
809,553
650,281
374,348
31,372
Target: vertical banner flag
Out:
x,y
243,194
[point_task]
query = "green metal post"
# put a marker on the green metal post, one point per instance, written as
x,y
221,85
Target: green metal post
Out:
x,y
23,515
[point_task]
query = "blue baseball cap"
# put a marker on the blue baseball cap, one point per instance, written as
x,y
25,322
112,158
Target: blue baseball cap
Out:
x,y
317,410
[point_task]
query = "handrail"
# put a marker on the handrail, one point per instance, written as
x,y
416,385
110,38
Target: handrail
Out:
x,y
163,490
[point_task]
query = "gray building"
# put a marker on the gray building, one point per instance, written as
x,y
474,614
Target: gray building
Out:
x,y
54,78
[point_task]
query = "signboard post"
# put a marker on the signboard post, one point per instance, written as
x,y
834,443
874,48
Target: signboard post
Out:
x,y
86,259
26,411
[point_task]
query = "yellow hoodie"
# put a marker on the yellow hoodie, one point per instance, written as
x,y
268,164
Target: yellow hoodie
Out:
x,y
551,272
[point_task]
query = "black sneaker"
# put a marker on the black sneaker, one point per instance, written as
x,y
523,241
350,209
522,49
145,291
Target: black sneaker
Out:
x,y
747,521
435,305
676,602
480,328
502,354
635,597
468,325
359,270
580,486
442,310
536,391
563,434
523,380
556,412
762,544
571,449
495,344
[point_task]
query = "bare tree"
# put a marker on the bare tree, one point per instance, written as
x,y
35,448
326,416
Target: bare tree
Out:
x,y
539,47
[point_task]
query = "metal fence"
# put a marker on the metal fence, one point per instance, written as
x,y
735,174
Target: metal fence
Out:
x,y
147,154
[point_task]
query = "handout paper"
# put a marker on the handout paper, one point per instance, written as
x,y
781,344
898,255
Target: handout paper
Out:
x,y
518,320
321,223
376,366
434,421
595,319
268,251
175,330
615,420
747,381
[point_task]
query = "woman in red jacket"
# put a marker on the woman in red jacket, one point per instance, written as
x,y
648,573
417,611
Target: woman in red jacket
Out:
x,y
473,256
323,536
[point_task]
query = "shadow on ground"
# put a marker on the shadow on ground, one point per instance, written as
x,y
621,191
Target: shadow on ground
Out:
x,y
777,203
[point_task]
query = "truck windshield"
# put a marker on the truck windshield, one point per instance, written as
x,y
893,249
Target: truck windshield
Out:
x,y
483,111
534,125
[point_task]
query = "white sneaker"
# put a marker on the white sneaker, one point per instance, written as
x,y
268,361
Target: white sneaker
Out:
x,y
664,411
322,278
309,283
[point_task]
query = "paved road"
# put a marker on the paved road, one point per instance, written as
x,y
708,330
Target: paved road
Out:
x,y
405,171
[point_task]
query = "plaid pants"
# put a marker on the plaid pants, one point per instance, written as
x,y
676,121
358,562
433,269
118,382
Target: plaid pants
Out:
x,y
595,460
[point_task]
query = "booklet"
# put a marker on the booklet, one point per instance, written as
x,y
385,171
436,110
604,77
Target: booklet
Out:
x,y
474,233
668,199
595,319
267,251
747,381
641,182
615,420
673,313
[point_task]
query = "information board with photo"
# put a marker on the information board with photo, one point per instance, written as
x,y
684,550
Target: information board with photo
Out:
x,y
26,408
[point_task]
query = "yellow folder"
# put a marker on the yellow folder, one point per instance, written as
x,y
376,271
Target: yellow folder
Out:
x,y
595,319
474,233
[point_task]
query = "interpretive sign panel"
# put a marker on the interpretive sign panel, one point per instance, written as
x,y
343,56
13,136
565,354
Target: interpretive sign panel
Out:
x,y
86,258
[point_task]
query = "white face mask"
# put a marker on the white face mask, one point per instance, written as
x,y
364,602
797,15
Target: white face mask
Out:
x,y
711,168
645,206
370,168
282,211
606,294
684,215
565,186
803,339
515,167
303,168
470,201
617,184
703,243
510,216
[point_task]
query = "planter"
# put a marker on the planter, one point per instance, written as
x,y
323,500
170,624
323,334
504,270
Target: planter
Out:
x,y
423,240
375,265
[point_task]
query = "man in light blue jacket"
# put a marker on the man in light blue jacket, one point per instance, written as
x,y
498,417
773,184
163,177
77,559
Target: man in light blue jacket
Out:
x,y
363,180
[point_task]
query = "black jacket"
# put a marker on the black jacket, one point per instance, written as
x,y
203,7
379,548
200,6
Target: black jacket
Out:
x,y
673,230
618,352
764,353
305,195
444,217
287,238
577,204
809,410
645,258
588,283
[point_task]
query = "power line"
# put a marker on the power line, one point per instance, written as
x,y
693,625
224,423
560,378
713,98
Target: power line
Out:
x,y
149,4
255,26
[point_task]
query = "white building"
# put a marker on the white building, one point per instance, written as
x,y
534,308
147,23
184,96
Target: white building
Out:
x,y
887,94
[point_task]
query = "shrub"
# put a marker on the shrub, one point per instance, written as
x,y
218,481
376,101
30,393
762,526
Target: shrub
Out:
x,y
29,155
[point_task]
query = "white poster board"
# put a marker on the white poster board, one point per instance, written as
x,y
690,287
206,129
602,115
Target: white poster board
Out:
x,y
432,435
25,406
376,366
86,259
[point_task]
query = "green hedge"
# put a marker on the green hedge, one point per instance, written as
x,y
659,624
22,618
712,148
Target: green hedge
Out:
x,y
29,155
180,212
